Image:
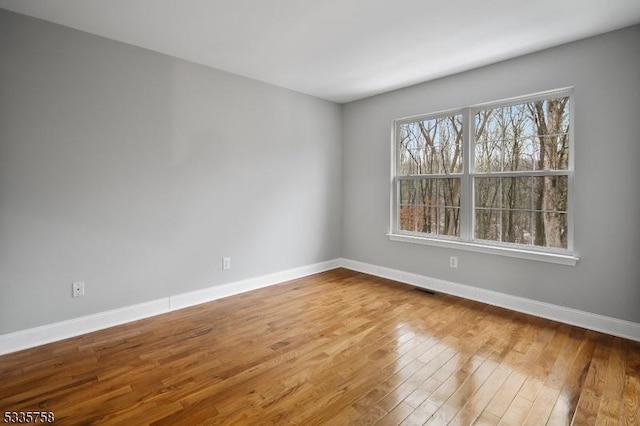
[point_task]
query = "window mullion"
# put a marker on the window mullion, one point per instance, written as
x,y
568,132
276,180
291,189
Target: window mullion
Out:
x,y
394,196
466,188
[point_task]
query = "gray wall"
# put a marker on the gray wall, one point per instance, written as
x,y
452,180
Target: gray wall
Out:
x,y
136,172
605,71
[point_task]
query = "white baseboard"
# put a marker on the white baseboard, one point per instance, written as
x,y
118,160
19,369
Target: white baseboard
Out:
x,y
185,300
24,339
601,323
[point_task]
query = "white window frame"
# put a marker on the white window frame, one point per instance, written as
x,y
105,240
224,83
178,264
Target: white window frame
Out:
x,y
466,241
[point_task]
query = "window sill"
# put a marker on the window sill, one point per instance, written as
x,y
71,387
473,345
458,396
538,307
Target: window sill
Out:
x,y
558,258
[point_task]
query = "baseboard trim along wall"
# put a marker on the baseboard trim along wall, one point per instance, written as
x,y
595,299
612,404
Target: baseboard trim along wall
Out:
x,y
613,326
24,339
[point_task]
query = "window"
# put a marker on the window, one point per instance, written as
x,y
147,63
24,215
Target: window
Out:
x,y
494,177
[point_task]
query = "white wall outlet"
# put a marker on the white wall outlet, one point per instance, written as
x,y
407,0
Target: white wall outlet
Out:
x,y
453,261
77,289
226,263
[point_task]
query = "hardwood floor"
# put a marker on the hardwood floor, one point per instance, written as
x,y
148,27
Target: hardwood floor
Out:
x,y
335,348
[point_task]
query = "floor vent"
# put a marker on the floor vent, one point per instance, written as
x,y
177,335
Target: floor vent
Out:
x,y
425,290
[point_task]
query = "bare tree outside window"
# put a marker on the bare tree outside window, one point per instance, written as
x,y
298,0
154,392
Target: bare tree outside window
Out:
x,y
430,156
523,150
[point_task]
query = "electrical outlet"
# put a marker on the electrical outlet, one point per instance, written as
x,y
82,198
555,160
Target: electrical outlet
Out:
x,y
453,261
226,263
77,289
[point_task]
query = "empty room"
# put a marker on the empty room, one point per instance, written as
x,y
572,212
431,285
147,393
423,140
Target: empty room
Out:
x,y
319,212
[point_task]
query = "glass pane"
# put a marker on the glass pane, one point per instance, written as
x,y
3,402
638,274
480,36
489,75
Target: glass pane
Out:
x,y
511,129
449,221
427,191
488,156
549,229
431,146
448,144
407,192
537,229
430,205
555,229
406,209
410,150
522,210
426,219
487,192
514,137
562,189
550,124
549,116
516,227
449,192
550,193
407,218
529,155
520,154
517,193
487,224
489,140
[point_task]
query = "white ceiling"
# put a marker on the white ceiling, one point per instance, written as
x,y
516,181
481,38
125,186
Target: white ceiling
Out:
x,y
339,50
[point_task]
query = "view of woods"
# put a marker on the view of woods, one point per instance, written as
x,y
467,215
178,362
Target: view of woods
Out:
x,y
430,152
519,179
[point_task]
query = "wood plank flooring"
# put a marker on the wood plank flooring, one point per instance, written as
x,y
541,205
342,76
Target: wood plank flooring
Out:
x,y
336,348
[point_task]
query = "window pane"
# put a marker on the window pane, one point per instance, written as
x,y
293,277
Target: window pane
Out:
x,y
449,221
516,227
433,191
520,154
517,193
487,224
407,192
487,192
550,193
406,205
407,218
522,210
529,154
431,146
430,205
427,191
528,136
410,151
488,156
449,192
549,123
554,230
426,219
